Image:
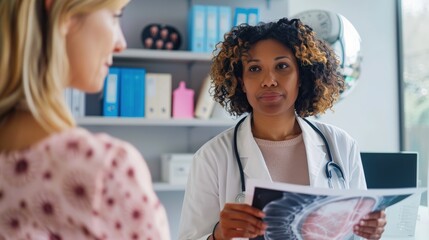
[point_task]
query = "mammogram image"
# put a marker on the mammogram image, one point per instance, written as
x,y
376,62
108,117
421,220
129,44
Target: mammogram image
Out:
x,y
298,216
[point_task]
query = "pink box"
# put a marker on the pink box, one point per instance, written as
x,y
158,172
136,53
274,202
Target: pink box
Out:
x,y
183,102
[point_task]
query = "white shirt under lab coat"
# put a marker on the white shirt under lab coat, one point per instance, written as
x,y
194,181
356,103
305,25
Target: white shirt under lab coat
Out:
x,y
215,179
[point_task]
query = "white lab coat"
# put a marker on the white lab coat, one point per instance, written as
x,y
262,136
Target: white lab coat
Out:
x,y
215,179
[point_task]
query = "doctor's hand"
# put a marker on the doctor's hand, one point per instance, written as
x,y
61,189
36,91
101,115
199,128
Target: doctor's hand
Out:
x,y
371,226
240,220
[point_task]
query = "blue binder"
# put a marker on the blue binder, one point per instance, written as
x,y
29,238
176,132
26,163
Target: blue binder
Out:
x,y
253,16
132,103
111,92
240,16
211,28
197,28
225,21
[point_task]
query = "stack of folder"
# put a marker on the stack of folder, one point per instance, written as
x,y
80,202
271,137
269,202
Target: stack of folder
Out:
x,y
208,24
131,92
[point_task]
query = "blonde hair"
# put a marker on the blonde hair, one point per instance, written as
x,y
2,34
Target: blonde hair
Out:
x,y
33,59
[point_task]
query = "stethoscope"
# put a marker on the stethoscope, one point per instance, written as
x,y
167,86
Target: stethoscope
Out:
x,y
330,165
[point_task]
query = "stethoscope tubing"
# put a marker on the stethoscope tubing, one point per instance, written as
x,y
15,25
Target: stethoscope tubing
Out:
x,y
237,155
330,164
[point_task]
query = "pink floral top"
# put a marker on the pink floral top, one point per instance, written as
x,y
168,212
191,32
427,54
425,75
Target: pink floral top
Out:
x,y
77,185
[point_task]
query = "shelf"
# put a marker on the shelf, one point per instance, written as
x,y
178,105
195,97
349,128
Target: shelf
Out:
x,y
161,186
119,121
164,55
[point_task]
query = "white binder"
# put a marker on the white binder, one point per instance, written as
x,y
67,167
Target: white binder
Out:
x,y
158,95
78,103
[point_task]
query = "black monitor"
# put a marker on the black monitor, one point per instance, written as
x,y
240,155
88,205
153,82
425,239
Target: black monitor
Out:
x,y
390,170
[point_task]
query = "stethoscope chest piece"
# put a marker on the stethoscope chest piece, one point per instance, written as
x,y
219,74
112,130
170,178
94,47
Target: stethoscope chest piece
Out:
x,y
240,198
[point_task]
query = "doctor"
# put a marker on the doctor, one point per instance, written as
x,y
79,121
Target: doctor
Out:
x,y
278,73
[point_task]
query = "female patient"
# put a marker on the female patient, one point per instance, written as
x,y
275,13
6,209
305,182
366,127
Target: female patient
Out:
x,y
58,181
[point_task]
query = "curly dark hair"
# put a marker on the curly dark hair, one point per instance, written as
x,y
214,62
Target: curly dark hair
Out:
x,y
320,79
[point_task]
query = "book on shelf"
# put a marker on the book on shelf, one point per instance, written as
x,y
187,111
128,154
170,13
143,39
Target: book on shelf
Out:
x,y
246,15
197,25
132,89
225,21
240,16
110,93
205,101
75,100
211,37
67,97
78,103
253,16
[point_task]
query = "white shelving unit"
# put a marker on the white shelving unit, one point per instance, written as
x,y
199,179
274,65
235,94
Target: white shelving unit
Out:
x,y
161,186
110,121
164,56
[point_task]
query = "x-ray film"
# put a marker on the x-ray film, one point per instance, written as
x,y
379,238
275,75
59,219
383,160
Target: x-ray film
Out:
x,y
304,213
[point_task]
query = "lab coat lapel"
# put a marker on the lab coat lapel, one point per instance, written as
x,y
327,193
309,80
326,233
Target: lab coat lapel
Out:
x,y
251,157
314,148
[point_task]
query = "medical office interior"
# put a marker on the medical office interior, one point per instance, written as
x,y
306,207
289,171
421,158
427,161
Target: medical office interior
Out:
x,y
385,110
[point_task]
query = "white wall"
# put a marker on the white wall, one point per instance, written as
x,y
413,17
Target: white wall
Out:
x,y
370,112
